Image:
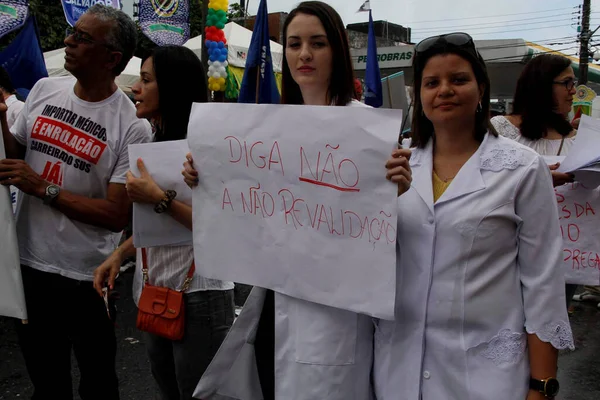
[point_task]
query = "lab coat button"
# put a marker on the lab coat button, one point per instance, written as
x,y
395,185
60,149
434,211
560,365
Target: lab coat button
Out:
x,y
426,374
430,219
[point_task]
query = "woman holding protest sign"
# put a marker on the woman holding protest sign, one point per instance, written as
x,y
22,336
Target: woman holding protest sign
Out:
x,y
479,243
320,351
542,102
180,354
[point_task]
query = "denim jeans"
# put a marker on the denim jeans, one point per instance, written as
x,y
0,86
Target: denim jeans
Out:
x,y
177,366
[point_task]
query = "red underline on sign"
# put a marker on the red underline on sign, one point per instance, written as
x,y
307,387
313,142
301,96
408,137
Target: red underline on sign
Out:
x,y
329,185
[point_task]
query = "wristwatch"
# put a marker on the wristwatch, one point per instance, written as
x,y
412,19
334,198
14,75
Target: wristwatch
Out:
x,y
548,387
51,192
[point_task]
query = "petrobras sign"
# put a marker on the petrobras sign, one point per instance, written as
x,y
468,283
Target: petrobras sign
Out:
x,y
76,8
388,57
13,14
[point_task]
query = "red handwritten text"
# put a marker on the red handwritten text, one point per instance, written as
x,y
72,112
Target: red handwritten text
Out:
x,y
255,154
342,175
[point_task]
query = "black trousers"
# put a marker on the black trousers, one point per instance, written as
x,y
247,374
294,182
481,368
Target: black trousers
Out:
x,y
66,315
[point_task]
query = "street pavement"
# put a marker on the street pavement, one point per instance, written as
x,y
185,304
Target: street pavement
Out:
x,y
579,371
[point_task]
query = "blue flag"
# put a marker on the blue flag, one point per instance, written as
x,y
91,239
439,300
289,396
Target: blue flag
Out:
x,y
23,58
258,85
76,8
373,92
13,14
165,23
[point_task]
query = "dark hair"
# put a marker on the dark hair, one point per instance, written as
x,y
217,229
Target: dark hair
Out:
x,y
422,128
534,98
5,82
122,35
341,84
181,81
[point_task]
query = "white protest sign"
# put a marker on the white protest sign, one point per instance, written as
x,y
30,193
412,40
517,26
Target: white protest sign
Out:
x,y
12,299
294,199
579,215
580,229
164,162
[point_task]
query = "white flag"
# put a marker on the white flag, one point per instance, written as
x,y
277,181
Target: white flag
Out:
x,y
365,7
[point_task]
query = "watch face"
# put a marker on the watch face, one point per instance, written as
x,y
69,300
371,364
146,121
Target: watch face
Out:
x,y
551,387
53,190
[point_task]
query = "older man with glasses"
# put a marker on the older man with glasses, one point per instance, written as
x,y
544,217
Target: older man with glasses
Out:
x,y
68,154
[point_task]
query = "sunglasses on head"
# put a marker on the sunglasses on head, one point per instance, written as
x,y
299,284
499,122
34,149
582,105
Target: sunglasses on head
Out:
x,y
457,39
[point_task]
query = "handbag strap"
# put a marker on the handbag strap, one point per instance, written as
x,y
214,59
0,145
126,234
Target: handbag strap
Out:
x,y
562,141
188,278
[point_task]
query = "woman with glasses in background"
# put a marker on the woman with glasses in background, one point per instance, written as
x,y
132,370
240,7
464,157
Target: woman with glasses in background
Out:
x,y
542,102
480,298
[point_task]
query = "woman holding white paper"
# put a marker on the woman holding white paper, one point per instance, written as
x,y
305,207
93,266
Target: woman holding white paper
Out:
x,y
176,365
479,298
542,102
321,352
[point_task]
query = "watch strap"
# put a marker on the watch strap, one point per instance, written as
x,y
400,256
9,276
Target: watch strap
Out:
x,y
537,385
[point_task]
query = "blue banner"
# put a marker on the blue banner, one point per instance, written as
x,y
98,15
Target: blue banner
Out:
x,y
23,58
258,85
13,14
374,91
165,22
76,8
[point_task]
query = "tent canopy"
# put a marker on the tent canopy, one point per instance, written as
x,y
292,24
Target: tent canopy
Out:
x,y
238,43
55,64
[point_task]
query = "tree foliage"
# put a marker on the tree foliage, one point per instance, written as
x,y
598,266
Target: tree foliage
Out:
x,y
235,11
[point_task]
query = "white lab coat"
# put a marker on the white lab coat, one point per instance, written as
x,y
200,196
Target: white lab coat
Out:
x,y
477,270
321,352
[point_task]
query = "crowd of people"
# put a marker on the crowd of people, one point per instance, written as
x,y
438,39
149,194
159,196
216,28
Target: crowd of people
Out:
x,y
480,309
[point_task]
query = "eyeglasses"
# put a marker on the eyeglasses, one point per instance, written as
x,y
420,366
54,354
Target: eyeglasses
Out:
x,y
458,39
569,84
82,38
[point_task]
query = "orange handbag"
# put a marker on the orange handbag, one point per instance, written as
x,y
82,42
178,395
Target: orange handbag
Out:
x,y
161,311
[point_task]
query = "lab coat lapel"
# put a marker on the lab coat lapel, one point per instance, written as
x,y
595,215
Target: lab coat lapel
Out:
x,y
469,179
422,166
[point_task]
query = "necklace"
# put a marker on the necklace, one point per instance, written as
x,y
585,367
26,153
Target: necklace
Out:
x,y
445,180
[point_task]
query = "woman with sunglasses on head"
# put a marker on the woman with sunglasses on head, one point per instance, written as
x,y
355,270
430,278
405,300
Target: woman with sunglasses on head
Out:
x,y
321,352
176,365
479,300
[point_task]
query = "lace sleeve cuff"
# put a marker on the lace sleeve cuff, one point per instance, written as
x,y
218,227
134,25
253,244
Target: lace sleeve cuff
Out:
x,y
557,333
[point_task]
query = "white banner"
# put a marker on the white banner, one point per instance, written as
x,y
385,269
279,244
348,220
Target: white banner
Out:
x,y
294,199
164,162
12,299
579,214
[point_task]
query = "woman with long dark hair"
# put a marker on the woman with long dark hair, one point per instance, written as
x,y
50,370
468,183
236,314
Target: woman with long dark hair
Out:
x,y
171,79
479,298
542,103
321,352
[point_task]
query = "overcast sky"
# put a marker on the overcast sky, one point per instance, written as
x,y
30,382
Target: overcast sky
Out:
x,y
551,22
544,21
